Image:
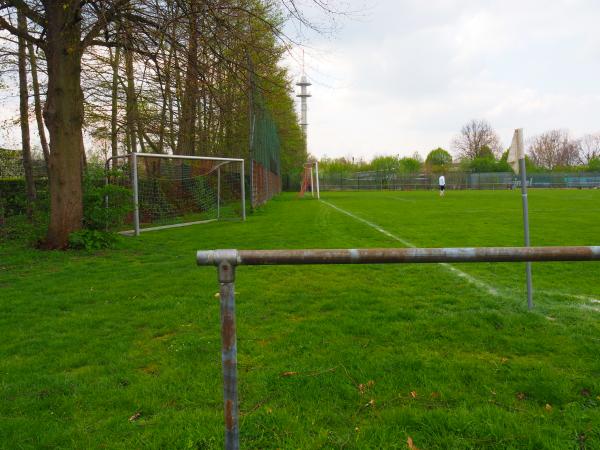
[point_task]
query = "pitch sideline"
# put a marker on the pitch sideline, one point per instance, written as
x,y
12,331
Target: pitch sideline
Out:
x,y
459,273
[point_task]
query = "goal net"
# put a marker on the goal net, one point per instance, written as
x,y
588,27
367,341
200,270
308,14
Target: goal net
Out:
x,y
310,180
175,190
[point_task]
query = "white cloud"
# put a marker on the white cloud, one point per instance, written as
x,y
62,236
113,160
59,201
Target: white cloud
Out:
x,y
411,74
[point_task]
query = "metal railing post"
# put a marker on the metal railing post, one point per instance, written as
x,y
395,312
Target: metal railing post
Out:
x,y
243,191
136,205
226,274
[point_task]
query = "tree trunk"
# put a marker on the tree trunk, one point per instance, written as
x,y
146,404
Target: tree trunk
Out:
x,y
64,117
24,110
114,134
131,103
187,121
38,104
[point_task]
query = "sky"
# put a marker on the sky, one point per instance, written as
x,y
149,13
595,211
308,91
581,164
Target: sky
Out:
x,y
404,75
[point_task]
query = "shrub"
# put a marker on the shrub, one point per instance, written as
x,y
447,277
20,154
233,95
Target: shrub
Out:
x,y
92,240
98,213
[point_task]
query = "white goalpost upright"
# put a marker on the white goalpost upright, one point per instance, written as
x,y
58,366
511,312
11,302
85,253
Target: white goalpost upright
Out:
x,y
310,179
178,190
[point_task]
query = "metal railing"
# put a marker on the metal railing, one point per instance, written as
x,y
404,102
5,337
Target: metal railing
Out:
x,y
226,262
393,181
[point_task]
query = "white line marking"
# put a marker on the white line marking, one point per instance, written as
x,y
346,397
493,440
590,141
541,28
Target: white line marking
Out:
x,y
465,276
584,298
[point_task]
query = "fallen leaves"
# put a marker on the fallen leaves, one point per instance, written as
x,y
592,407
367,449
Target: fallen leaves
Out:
x,y
548,407
288,374
521,395
413,394
410,443
136,416
362,388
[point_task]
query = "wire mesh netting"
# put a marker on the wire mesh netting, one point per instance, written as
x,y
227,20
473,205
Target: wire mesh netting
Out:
x,y
382,180
265,148
176,190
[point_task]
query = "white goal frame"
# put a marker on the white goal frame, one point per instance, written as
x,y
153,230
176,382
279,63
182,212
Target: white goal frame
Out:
x,y
133,159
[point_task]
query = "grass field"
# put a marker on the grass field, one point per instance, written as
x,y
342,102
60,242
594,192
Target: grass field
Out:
x,y
121,349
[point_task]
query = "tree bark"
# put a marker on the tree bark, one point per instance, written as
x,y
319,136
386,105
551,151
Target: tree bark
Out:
x,y
114,133
38,104
63,114
187,121
24,116
131,103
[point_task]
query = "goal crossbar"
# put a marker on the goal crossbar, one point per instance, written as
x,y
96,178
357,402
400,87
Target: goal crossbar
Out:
x,y
133,159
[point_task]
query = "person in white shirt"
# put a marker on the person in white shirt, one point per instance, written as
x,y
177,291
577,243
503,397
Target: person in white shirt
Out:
x,y
442,182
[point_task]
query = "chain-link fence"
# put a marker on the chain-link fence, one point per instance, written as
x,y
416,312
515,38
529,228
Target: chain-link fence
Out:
x,y
379,180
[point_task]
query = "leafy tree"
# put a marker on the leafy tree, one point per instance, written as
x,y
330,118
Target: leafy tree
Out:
x,y
385,164
594,165
410,165
438,160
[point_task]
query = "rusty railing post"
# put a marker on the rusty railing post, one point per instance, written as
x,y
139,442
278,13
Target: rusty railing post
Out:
x,y
226,273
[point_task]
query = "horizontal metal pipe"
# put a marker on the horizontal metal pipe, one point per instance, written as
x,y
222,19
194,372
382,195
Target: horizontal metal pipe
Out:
x,y
210,158
397,255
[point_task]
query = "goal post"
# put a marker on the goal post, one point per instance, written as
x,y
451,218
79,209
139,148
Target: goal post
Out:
x,y
310,179
177,190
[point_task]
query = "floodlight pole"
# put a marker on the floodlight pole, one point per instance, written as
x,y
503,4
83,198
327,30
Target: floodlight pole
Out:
x,y
312,190
523,172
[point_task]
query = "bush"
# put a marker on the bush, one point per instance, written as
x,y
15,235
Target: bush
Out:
x,y
13,196
92,240
98,214
594,165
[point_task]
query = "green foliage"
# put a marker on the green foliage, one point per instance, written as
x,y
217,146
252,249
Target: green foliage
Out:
x,y
438,160
19,228
92,240
385,164
594,165
438,157
482,165
485,152
410,165
341,165
13,196
97,213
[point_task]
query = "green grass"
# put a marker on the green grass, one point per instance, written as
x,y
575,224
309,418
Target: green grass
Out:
x,y
89,340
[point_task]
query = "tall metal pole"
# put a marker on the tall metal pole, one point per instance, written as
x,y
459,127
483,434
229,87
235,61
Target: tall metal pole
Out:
x,y
136,206
312,183
317,176
523,172
303,83
243,189
219,193
226,272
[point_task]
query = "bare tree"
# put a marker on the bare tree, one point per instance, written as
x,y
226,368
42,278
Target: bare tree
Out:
x,y
473,137
554,148
589,147
24,116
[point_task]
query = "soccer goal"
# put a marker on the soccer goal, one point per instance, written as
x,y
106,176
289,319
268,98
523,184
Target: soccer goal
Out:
x,y
310,180
177,190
